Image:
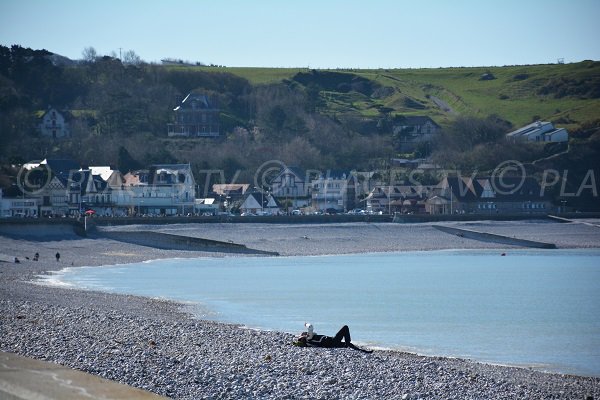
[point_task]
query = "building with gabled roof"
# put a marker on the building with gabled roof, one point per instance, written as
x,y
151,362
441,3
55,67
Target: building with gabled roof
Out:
x,y
256,202
54,124
488,195
233,190
162,189
290,182
397,198
412,130
334,190
196,116
539,131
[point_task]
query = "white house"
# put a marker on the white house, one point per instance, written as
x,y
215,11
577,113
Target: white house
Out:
x,y
260,203
291,185
164,189
291,182
17,206
51,185
334,190
53,124
54,197
539,131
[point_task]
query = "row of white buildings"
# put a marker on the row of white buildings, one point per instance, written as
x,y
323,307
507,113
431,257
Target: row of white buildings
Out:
x,y
58,188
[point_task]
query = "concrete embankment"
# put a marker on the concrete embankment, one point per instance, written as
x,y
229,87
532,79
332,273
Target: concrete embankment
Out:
x,y
42,229
169,241
494,238
71,229
23,378
237,219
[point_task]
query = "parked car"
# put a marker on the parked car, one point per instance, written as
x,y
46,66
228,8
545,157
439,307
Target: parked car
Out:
x,y
357,211
296,212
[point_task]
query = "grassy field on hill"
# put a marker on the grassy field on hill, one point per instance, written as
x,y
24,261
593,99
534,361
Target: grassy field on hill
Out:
x,y
563,93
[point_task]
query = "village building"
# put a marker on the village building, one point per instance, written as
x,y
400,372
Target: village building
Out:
x,y
206,206
390,199
488,195
19,207
539,131
196,116
163,189
54,124
48,182
257,202
230,192
95,193
290,186
334,191
54,198
412,131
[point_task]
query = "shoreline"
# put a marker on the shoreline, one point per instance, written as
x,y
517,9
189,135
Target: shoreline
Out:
x,y
159,346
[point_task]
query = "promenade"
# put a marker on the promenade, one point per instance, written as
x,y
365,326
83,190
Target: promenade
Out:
x,y
28,379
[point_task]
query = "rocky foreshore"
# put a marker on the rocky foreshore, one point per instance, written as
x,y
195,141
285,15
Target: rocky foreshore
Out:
x,y
157,345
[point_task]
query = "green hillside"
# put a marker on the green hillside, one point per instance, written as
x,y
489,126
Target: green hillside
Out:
x,y
564,93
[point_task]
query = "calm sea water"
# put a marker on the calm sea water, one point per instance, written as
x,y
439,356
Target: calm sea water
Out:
x,y
536,308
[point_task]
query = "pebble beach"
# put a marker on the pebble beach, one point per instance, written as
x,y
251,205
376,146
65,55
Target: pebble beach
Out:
x,y
158,345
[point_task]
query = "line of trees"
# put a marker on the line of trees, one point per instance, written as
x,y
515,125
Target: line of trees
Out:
x,y
116,103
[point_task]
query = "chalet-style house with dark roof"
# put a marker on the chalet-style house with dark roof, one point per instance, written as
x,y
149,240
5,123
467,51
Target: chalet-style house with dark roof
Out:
x,y
196,116
413,130
54,124
488,195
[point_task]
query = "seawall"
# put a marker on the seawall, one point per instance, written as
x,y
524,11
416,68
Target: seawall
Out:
x,y
42,228
494,238
169,241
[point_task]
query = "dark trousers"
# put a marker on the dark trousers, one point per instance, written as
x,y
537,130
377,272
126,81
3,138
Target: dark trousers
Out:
x,y
343,333
336,341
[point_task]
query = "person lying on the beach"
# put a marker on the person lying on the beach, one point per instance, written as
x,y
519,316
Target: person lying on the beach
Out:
x,y
311,339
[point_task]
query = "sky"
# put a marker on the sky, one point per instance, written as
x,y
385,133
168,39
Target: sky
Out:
x,y
312,33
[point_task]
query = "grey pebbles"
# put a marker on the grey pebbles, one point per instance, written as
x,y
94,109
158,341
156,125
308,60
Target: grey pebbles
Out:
x,y
172,354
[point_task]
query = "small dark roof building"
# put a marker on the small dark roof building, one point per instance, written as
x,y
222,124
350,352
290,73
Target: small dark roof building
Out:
x,y
411,130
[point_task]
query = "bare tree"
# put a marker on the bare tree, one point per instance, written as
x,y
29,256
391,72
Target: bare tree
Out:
x,y
129,57
89,54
